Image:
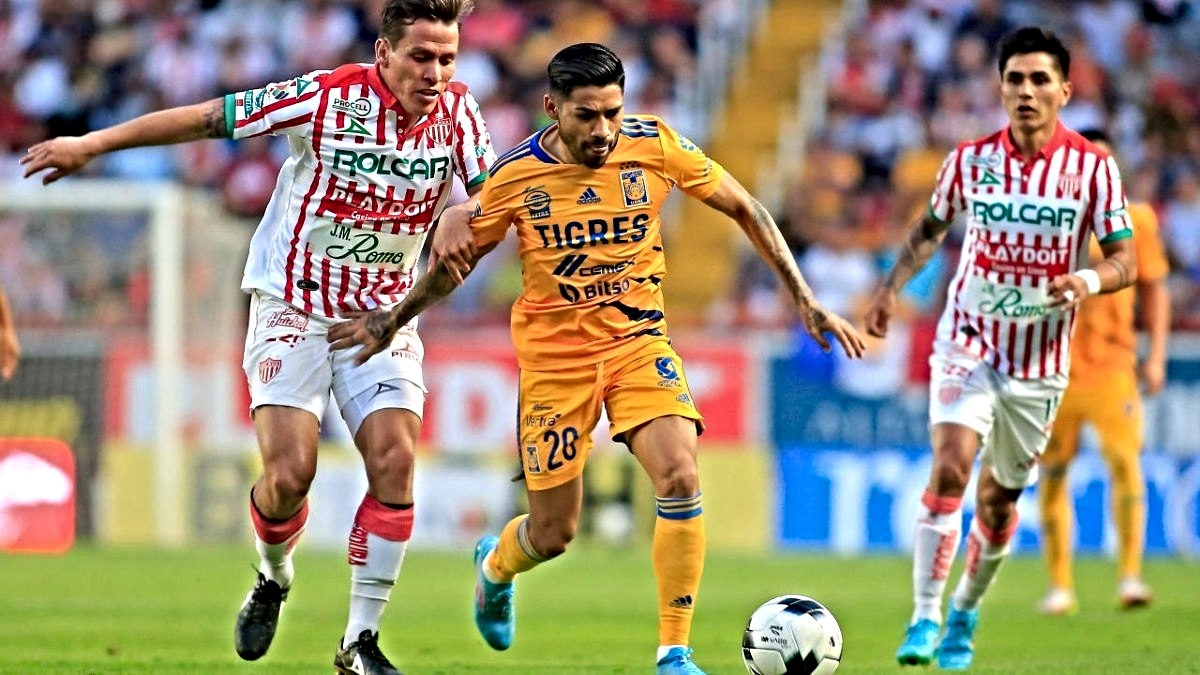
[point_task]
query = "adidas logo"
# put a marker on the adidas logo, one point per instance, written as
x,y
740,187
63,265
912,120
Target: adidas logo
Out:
x,y
589,196
682,602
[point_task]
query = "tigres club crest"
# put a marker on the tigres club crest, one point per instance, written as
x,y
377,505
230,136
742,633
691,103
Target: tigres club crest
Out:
x,y
439,130
633,188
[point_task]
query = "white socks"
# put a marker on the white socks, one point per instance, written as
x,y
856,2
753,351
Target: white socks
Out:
x,y
984,557
371,583
935,543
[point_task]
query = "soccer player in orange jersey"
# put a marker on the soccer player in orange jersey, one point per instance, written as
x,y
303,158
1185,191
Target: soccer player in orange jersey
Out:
x,y
1103,392
585,195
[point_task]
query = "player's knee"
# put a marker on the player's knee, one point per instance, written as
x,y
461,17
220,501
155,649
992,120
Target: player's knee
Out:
x,y
1051,478
552,539
998,516
949,479
289,481
952,464
1124,468
996,505
392,462
680,479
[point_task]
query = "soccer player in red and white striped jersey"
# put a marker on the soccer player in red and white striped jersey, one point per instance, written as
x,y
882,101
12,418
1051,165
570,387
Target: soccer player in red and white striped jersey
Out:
x,y
1032,195
375,149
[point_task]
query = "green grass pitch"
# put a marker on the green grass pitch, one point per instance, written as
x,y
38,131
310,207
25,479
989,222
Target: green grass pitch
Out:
x,y
149,611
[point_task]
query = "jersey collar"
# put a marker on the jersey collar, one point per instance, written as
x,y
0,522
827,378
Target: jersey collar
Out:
x,y
538,150
1057,140
386,98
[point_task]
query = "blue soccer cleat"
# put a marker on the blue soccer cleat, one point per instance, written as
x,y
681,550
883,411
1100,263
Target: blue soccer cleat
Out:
x,y
958,648
920,644
678,661
495,616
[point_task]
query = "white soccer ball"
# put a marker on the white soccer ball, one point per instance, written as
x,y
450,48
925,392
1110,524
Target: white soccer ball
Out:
x,y
792,635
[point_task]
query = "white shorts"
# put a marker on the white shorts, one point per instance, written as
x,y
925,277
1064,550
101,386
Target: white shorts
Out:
x,y
1012,416
287,362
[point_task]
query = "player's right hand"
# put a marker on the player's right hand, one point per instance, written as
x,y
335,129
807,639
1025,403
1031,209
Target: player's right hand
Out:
x,y
372,331
63,155
879,314
453,242
818,321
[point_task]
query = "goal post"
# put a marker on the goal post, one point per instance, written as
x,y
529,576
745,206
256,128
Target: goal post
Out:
x,y
164,204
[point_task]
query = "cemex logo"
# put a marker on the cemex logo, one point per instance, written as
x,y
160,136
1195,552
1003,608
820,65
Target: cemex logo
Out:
x,y
37,495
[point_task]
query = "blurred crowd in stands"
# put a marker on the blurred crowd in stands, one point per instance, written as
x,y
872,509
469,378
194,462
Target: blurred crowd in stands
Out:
x,y
70,66
916,77
908,82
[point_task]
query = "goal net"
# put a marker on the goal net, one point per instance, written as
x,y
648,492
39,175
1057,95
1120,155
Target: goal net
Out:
x,y
132,326
126,299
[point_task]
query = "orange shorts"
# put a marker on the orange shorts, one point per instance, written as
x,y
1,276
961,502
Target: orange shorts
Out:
x,y
1111,404
559,409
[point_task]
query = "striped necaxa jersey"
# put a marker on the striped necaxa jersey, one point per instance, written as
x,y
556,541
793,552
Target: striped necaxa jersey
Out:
x,y
358,194
1027,221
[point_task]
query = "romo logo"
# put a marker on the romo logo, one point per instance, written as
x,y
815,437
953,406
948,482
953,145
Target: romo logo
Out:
x,y
1007,302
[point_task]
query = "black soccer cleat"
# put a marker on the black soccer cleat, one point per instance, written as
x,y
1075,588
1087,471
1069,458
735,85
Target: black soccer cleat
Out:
x,y
363,657
258,618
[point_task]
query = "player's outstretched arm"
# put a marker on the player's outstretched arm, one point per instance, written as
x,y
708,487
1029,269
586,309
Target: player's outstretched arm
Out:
x,y
922,242
374,330
736,202
10,349
67,154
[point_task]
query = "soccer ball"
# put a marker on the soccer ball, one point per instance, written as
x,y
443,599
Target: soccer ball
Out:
x,y
792,635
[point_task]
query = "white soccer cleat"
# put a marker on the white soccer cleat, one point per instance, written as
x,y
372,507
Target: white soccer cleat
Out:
x,y
1133,593
1059,602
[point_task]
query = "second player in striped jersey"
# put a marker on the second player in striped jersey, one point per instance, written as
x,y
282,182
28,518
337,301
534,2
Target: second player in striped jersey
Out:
x,y
1032,196
374,150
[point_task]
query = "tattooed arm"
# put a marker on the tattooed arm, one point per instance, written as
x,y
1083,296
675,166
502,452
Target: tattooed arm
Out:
x,y
68,154
375,330
734,201
430,289
922,242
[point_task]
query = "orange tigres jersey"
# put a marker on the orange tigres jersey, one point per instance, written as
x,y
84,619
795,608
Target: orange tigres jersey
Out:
x,y
590,240
1104,337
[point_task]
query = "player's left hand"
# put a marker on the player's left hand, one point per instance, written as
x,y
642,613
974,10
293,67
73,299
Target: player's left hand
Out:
x,y
1153,374
818,322
453,243
1066,291
372,330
